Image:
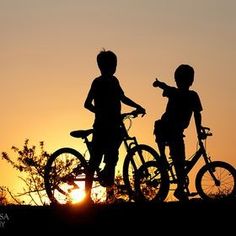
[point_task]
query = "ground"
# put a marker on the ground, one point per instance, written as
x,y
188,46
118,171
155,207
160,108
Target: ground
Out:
x,y
193,217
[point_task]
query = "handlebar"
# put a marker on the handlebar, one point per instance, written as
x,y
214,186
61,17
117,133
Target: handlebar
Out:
x,y
133,114
205,132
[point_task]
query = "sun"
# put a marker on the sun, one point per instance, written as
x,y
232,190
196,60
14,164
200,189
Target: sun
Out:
x,y
77,195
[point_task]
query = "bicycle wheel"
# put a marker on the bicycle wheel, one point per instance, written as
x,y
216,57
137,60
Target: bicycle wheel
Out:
x,y
216,180
135,158
65,176
151,182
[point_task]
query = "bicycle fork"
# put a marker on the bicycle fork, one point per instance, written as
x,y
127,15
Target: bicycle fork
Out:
x,y
210,168
129,147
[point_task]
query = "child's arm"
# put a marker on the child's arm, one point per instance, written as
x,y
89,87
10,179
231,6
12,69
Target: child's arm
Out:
x,y
158,83
198,122
129,102
88,104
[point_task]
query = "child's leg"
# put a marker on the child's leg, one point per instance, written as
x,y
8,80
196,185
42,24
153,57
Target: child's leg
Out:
x,y
160,138
177,151
111,157
108,173
94,162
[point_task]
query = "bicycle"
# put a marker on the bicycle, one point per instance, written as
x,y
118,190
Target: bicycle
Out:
x,y
214,180
66,168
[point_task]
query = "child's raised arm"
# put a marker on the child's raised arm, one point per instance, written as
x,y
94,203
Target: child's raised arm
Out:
x,y
158,83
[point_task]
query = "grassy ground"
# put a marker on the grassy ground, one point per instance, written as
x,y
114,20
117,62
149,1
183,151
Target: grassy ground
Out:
x,y
195,216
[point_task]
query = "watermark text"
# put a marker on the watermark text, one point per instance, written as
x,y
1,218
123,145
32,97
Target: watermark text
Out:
x,y
4,218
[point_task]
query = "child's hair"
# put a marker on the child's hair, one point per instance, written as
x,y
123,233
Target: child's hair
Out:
x,y
106,61
184,74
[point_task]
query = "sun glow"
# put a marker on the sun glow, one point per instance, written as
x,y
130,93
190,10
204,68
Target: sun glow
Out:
x,y
77,195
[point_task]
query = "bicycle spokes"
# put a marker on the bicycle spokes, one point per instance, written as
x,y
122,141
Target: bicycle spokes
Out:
x,y
216,180
149,182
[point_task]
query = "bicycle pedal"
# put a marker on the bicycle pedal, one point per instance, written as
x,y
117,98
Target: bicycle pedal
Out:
x,y
193,194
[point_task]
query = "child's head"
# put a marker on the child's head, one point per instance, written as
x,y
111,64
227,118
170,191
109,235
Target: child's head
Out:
x,y
184,76
107,62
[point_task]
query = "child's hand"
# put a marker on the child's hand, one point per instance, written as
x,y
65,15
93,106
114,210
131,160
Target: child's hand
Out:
x,y
155,83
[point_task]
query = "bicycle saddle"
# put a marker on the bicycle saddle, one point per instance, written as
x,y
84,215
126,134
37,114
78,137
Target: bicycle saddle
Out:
x,y
81,133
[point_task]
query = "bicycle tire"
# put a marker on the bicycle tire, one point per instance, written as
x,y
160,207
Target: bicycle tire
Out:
x,y
208,189
129,170
151,182
59,170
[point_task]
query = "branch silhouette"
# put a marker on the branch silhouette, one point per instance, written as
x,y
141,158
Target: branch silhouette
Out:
x,y
30,163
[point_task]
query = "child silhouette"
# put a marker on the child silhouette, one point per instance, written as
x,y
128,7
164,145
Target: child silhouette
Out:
x,y
169,130
104,99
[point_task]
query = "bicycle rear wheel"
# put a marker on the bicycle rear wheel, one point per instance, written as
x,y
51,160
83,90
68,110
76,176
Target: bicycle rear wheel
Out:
x,y
134,159
151,182
216,180
65,176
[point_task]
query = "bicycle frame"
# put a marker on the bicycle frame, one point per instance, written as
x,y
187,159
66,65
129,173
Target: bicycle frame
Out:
x,y
128,141
191,162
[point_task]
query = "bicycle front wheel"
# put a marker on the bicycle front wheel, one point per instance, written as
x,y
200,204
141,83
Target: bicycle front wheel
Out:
x,y
216,180
64,176
151,182
135,158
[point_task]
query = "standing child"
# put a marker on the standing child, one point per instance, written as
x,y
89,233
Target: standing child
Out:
x,y
169,130
104,100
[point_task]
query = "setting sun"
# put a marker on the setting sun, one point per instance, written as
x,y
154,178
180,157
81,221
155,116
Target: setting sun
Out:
x,y
77,195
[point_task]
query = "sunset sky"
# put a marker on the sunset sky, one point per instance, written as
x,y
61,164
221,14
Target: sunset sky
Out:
x,y
48,54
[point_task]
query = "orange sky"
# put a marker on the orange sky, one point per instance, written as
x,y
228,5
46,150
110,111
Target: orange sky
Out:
x,y
48,61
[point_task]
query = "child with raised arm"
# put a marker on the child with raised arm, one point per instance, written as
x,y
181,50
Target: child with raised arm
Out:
x,y
169,130
104,100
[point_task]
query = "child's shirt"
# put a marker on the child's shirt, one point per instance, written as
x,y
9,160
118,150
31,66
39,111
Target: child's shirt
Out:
x,y
107,94
180,107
